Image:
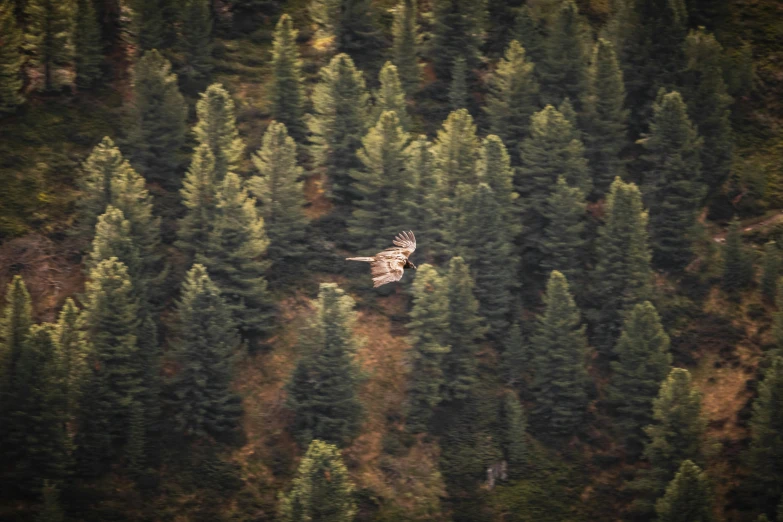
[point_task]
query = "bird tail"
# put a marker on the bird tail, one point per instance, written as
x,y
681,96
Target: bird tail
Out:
x,y
365,259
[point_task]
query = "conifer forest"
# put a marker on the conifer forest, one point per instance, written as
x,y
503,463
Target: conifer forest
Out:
x,y
593,330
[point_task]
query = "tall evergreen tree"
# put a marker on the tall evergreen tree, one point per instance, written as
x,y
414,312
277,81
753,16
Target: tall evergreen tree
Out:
x,y
104,163
339,120
459,92
199,193
457,32
235,256
688,497
51,510
11,61
622,276
113,239
322,489
765,456
383,184
135,450
390,96
605,118
429,327
674,436
643,362
323,390
494,169
195,43
158,113
280,191
563,243
149,24
559,350
515,358
94,451
674,190
771,270
563,69
737,264
217,128
287,88
202,401
325,14
88,50
404,46
705,92
430,193
512,98
456,150
500,26
529,30
72,353
48,37
14,328
516,448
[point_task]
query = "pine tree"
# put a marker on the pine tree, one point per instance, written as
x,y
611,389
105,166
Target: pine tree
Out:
x,y
515,357
404,46
72,353
113,239
516,448
674,190
325,14
339,120
150,398
94,451
158,113
281,194
201,397
563,243
457,32
606,119
235,256
500,26
51,511
359,34
559,348
195,43
391,97
764,456
429,327
37,442
322,489
48,37
14,327
688,497
323,390
385,189
287,88
149,24
512,98
529,31
134,450
674,436
643,362
771,271
104,163
459,95
110,320
11,61
217,129
429,198
199,193
456,150
563,69
705,92
622,276
88,50
737,264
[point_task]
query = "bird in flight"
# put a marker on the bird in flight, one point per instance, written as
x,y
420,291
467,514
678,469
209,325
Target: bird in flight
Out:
x,y
389,265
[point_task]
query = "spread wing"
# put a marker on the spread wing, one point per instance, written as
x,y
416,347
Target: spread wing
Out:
x,y
406,243
388,266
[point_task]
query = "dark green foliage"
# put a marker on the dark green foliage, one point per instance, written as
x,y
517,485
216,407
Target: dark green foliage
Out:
x,y
688,497
771,271
512,98
37,440
48,37
385,189
72,353
563,69
199,193
103,164
339,121
287,89
777,321
50,511
93,440
516,358
149,24
235,256
712,14
404,46
674,436
622,276
456,150
281,194
322,489
500,25
14,327
766,447
88,49
563,243
202,401
134,450
459,95
737,263
157,126
390,96
457,33
708,101
429,327
217,129
429,202
195,44
516,447
11,61
113,239
643,362
530,32
605,119
673,188
559,356
323,389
